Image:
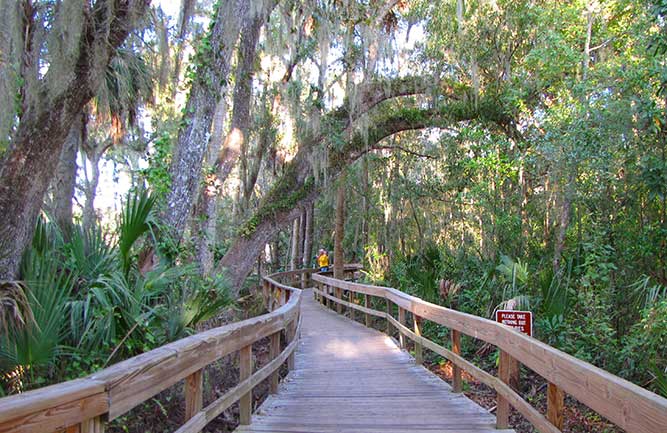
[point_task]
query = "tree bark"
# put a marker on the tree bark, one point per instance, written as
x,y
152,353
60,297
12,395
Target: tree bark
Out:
x,y
65,180
565,216
339,235
30,162
207,206
308,237
211,74
294,248
236,140
90,190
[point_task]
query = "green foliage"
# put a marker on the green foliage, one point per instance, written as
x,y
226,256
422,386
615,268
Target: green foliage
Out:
x,y
91,305
134,222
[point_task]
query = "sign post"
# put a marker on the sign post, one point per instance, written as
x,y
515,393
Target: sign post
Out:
x,y
522,321
509,370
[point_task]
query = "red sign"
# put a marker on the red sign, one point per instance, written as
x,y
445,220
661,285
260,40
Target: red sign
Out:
x,y
522,321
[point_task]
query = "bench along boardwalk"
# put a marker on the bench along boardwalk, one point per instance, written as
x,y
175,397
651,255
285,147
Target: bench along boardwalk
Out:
x,y
352,379
344,377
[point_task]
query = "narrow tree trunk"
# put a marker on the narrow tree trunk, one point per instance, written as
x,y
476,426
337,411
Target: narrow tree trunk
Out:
x,y
302,237
565,212
65,180
294,248
308,237
339,235
275,255
90,192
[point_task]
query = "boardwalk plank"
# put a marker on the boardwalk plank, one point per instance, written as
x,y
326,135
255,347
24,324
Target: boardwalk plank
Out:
x,y
352,379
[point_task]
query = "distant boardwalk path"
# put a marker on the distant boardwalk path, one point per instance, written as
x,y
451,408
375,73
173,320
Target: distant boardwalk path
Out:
x,y
352,379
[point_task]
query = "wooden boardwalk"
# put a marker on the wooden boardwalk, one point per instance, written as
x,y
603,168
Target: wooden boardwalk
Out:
x,y
352,379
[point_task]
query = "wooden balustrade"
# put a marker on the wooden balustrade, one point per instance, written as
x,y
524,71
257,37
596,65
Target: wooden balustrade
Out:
x,y
634,409
85,405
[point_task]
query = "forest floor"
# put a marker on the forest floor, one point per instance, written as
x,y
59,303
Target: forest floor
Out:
x,y
577,418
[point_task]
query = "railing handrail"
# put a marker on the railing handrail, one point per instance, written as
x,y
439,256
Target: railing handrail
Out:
x,y
88,402
627,405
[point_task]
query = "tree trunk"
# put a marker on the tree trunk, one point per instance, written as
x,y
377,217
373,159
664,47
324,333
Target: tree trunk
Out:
x,y
302,237
564,223
212,71
207,206
308,237
65,180
90,191
206,211
275,255
294,249
297,188
339,235
30,162
236,141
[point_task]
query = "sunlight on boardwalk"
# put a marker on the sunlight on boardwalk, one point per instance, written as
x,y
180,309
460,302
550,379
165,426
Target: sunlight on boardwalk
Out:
x,y
351,379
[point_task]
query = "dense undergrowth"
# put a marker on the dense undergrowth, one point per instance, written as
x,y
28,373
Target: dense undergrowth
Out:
x,y
84,303
571,314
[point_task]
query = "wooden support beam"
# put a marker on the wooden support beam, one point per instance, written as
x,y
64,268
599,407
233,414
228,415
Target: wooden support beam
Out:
x,y
93,425
367,316
401,320
457,382
290,335
350,298
503,406
388,310
274,351
339,295
245,371
555,405
265,294
419,357
194,397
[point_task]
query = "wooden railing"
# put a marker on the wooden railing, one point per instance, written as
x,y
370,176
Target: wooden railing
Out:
x,y
85,405
629,406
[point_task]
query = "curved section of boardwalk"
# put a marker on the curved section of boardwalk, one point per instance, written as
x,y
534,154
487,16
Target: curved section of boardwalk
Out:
x,y
351,379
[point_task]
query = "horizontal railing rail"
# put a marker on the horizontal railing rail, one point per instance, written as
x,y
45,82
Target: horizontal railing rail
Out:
x,y
630,407
86,405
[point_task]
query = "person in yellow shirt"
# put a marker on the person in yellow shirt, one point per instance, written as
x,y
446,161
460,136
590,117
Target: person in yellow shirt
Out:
x,y
323,261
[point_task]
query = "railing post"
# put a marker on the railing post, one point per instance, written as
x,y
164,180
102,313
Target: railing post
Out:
x,y
367,316
279,296
339,295
266,294
503,407
401,320
93,425
290,335
419,359
457,384
388,311
274,351
245,371
555,405
194,396
350,298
